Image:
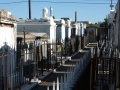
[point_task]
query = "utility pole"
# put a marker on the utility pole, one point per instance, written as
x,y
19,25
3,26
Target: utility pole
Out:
x,y
29,7
111,5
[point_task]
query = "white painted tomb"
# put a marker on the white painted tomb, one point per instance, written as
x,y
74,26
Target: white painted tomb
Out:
x,y
60,29
8,27
43,25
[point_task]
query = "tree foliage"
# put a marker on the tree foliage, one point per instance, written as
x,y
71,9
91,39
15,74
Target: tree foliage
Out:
x,y
105,23
20,18
99,24
53,17
93,25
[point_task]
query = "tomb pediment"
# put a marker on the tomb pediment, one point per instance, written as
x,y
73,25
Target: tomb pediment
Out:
x,y
27,35
41,35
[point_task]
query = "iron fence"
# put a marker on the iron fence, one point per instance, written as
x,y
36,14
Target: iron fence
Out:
x,y
108,58
26,61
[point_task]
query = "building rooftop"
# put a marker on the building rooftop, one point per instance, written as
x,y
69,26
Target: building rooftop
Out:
x,y
82,22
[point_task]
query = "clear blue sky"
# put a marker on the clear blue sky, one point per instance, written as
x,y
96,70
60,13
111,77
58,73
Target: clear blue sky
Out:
x,y
86,12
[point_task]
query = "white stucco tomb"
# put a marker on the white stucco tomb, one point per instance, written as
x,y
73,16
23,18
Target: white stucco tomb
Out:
x,y
60,29
8,27
43,25
68,29
112,30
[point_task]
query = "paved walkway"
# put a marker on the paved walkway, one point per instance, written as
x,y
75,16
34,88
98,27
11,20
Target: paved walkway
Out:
x,y
48,81
50,77
35,82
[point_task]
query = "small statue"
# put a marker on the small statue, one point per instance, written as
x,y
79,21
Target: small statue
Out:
x,y
44,15
45,12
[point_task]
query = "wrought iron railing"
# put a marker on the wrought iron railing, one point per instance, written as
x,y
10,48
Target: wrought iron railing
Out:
x,y
29,60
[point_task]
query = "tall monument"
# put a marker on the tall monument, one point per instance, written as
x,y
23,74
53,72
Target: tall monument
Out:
x,y
51,11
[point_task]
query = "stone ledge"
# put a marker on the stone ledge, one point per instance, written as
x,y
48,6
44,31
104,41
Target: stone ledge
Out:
x,y
29,86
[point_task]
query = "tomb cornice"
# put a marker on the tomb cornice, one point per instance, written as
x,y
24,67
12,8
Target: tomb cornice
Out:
x,y
6,21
